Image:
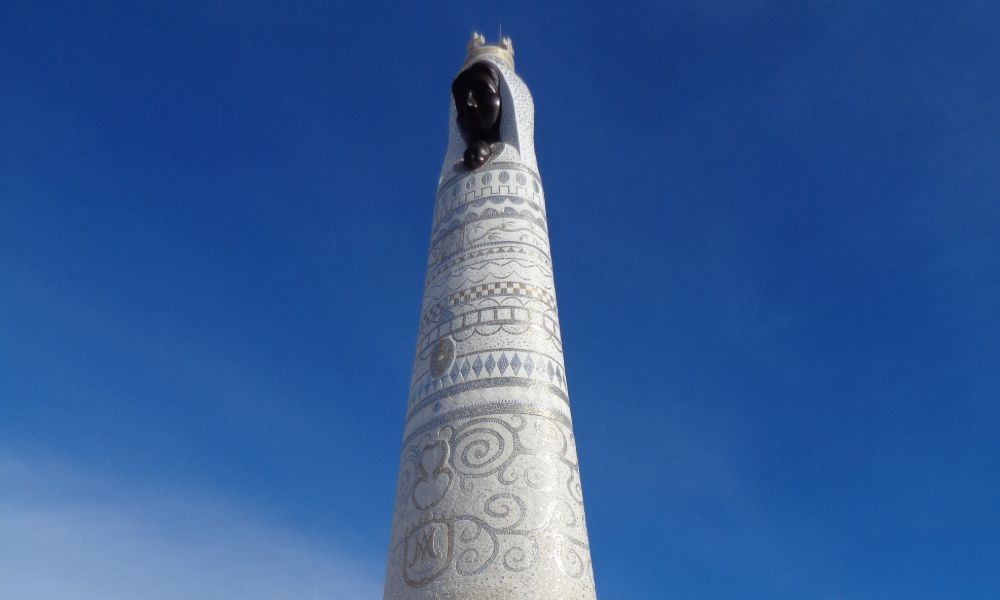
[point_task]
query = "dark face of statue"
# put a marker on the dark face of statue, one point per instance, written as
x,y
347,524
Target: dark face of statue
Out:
x,y
476,91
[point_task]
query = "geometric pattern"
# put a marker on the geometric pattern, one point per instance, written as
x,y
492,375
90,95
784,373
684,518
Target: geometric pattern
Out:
x,y
494,251
493,364
501,288
488,185
489,290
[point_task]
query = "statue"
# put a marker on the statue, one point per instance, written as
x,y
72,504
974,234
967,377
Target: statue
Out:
x,y
488,501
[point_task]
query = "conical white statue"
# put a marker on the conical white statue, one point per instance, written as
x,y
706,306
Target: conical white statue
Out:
x,y
489,504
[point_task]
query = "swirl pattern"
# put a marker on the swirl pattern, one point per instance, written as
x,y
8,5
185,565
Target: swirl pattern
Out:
x,y
522,455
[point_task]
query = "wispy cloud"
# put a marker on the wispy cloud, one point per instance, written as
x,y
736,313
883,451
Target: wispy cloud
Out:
x,y
67,536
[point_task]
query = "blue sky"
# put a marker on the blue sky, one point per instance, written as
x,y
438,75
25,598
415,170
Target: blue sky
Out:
x,y
776,233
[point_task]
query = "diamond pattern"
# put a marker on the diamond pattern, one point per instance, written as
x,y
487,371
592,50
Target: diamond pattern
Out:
x,y
516,363
466,370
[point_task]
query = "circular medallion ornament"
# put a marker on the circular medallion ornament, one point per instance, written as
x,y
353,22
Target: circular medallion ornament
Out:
x,y
442,357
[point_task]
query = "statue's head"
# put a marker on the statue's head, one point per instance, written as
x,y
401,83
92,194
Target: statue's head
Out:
x,y
476,92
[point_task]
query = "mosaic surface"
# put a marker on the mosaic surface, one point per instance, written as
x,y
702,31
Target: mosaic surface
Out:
x,y
489,503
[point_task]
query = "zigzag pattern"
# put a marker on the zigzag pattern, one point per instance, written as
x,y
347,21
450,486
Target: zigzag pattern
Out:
x,y
488,252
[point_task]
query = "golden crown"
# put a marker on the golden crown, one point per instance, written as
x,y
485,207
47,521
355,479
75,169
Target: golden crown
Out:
x,y
478,49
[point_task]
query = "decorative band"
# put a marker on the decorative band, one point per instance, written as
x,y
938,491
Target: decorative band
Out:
x,y
489,408
491,382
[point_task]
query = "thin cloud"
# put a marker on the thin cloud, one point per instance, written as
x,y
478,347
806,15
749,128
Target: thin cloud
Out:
x,y
67,537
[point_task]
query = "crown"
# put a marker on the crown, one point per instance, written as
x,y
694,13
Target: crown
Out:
x,y
504,51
